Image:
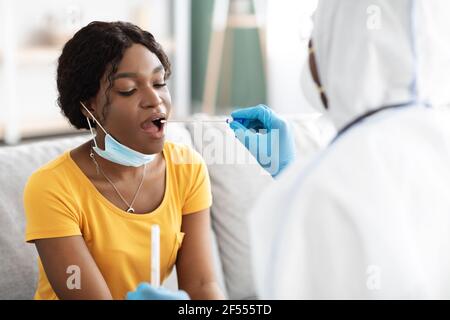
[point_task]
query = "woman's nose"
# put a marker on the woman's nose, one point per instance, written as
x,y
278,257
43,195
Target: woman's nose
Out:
x,y
152,98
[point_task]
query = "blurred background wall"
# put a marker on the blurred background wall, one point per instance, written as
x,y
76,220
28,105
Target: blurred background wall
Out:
x,y
225,54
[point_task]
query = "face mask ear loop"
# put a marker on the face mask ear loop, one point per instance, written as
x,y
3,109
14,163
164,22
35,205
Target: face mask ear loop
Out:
x,y
93,118
92,132
89,123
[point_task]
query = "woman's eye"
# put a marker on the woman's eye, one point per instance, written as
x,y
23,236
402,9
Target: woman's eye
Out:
x,y
127,93
160,85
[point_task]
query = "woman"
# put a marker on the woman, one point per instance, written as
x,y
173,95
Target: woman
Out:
x,y
90,211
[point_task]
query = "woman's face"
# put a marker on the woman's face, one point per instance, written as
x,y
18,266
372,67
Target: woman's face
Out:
x,y
138,97
315,73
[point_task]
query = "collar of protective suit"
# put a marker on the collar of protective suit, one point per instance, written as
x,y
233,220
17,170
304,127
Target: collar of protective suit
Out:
x,y
375,53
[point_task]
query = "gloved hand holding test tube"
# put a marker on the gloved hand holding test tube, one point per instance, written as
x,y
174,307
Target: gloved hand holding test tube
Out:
x,y
154,291
277,130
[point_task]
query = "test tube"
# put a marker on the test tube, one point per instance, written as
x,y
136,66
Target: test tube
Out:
x,y
254,124
155,257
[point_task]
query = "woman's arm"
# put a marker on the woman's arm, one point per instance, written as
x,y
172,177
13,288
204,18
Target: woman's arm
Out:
x,y
57,255
195,269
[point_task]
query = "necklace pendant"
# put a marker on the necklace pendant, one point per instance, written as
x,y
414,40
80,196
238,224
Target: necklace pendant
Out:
x,y
130,210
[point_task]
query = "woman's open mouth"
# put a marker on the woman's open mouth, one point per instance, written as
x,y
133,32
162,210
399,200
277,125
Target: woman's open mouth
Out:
x,y
155,125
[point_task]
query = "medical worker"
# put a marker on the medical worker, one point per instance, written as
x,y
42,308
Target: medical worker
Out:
x,y
369,217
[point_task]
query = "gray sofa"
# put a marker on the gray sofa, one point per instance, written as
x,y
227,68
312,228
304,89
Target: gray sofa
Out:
x,y
235,186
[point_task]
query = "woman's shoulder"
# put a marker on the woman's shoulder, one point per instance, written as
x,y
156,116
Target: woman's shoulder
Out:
x,y
49,172
54,165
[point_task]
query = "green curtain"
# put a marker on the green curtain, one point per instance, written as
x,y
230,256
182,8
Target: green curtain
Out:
x,y
242,81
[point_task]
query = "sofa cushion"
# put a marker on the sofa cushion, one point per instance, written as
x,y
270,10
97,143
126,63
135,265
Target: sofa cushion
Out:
x,y
18,267
236,180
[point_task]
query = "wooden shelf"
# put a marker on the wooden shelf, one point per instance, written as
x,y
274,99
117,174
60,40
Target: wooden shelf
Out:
x,y
243,21
45,127
29,128
168,46
47,55
38,55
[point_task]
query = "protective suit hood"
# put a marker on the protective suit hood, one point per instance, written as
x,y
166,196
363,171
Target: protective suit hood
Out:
x,y
375,53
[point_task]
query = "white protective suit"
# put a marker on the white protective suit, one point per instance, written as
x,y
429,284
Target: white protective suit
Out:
x,y
369,218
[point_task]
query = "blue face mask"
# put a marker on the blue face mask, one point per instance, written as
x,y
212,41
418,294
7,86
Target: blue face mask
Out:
x,y
117,152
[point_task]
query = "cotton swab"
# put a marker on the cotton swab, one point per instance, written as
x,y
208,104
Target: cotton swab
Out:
x,y
227,120
254,124
155,257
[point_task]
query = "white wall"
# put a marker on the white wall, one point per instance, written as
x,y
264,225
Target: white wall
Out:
x,y
288,29
35,73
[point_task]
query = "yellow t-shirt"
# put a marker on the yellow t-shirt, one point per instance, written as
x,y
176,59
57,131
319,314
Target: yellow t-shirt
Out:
x,y
61,201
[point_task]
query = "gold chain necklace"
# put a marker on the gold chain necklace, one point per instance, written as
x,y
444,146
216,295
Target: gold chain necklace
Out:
x,y
129,205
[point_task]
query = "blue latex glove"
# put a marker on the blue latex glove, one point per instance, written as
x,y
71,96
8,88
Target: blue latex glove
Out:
x,y
146,291
247,124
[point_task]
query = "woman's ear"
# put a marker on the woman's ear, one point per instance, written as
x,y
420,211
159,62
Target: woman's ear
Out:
x,y
87,110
